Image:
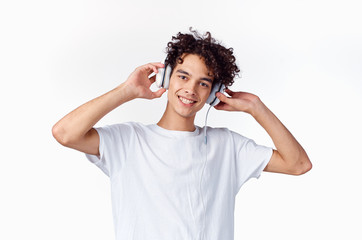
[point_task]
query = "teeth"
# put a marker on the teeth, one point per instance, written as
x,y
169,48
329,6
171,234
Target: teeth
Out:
x,y
186,101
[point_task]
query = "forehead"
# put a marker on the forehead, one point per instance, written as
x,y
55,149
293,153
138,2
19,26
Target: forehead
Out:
x,y
194,65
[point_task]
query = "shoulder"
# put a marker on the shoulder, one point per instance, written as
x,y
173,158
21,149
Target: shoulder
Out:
x,y
116,126
226,137
120,128
215,130
224,132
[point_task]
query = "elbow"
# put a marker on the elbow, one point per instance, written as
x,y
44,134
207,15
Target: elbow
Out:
x,y
304,166
307,168
60,135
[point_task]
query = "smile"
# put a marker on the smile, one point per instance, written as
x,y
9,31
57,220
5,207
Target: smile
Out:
x,y
185,100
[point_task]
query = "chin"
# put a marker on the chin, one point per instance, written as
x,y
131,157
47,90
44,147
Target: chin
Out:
x,y
186,114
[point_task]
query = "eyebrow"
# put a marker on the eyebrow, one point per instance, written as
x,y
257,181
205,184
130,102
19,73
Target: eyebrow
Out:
x,y
188,74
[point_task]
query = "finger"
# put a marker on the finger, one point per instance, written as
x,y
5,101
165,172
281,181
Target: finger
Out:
x,y
160,64
222,97
223,106
228,91
158,93
153,79
145,69
219,106
156,66
151,67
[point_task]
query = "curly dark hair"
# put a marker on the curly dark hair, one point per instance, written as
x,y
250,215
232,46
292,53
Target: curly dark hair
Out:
x,y
218,59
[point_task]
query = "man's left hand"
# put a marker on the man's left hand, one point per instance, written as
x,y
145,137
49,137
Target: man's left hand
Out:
x,y
238,101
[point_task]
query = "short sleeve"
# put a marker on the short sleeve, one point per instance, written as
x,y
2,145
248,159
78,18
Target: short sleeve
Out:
x,y
251,159
113,145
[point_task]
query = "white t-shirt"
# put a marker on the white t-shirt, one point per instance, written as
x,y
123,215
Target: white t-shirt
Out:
x,y
155,179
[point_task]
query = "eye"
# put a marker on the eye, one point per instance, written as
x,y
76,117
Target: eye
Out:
x,y
204,84
182,77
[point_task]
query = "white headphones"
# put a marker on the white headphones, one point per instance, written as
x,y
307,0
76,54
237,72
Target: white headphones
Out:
x,y
163,80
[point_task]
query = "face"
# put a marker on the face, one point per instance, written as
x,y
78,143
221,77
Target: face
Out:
x,y
190,86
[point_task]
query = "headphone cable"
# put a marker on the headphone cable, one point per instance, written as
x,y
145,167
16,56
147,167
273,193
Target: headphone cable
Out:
x,y
202,173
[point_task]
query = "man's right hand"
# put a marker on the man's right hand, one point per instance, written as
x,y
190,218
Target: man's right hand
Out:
x,y
138,84
76,131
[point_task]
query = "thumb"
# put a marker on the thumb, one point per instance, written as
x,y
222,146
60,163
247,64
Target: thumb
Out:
x,y
222,97
158,93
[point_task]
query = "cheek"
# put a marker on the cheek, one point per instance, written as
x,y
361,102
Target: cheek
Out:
x,y
171,91
169,95
205,95
174,86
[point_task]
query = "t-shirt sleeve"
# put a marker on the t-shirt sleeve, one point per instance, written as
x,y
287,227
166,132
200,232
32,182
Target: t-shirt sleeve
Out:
x,y
113,145
250,160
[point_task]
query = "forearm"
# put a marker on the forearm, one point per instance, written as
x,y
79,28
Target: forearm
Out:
x,y
289,156
288,147
78,122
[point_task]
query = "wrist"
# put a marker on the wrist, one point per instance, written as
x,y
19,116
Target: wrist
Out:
x,y
258,109
125,92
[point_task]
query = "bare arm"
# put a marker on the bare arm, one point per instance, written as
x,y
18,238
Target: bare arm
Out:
x,y
289,156
76,131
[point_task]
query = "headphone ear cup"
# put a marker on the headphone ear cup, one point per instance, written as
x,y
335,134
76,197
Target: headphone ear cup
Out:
x,y
212,99
163,77
167,76
159,77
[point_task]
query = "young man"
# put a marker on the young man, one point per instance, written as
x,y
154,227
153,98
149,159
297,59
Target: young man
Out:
x,y
166,181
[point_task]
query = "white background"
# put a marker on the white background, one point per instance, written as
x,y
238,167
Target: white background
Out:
x,y
302,58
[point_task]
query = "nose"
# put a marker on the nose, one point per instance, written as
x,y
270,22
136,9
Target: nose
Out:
x,y
190,87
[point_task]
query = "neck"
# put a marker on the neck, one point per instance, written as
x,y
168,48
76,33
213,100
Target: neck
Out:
x,y
173,121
